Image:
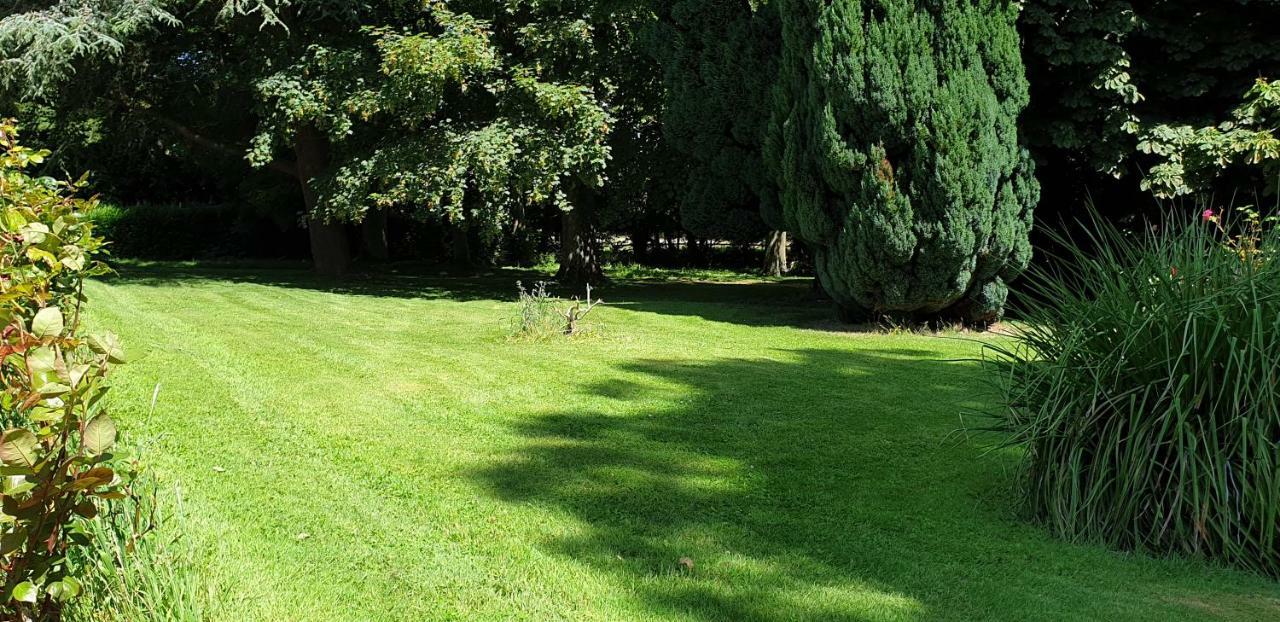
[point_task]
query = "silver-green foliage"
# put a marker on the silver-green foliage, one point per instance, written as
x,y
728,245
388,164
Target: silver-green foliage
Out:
x,y
39,48
1143,387
539,315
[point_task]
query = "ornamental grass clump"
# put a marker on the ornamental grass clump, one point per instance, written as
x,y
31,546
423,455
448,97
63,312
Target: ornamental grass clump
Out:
x,y
539,315
58,457
1144,386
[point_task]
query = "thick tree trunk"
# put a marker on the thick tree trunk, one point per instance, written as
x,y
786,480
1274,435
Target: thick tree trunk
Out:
x,y
775,254
817,291
522,245
579,260
460,247
330,249
374,232
695,251
641,240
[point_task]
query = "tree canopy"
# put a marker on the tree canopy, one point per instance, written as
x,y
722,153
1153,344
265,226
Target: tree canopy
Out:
x,y
887,136
895,137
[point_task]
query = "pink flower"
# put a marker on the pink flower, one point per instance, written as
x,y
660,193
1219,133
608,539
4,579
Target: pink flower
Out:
x,y
1208,215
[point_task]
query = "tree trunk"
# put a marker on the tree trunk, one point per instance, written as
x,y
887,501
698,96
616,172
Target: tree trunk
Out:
x,y
374,232
579,260
775,254
521,248
640,243
818,292
460,247
330,249
695,251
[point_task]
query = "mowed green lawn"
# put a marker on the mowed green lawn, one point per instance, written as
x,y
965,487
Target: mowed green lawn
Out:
x,y
382,452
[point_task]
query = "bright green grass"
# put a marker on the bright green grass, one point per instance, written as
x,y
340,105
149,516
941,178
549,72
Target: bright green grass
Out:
x,y
444,472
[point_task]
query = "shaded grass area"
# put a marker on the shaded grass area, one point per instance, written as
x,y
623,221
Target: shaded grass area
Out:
x,y
383,452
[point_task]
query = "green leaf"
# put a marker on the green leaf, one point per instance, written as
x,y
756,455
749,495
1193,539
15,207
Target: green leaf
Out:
x,y
77,373
73,262
36,254
13,220
25,592
99,434
54,389
18,448
35,232
43,364
73,584
10,542
64,590
47,322
16,485
108,344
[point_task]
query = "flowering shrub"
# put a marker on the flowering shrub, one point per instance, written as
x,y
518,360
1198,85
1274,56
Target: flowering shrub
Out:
x,y
1145,389
1247,243
56,449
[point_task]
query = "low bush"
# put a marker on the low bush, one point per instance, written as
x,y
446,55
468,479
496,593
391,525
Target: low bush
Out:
x,y
540,315
1144,388
165,231
57,449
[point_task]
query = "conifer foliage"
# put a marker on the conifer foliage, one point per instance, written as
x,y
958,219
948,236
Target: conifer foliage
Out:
x,y
718,60
895,144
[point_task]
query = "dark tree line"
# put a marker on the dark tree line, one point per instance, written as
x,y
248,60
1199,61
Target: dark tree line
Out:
x,y
899,144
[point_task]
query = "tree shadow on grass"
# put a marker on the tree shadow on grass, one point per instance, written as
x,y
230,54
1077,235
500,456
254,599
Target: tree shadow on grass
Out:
x,y
407,281
752,303
811,485
749,303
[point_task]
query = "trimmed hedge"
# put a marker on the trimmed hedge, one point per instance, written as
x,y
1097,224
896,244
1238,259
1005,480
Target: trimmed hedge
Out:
x,y
194,231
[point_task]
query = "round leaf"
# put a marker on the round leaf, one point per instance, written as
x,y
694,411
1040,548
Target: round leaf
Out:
x,y
44,366
86,509
18,448
99,434
25,592
47,322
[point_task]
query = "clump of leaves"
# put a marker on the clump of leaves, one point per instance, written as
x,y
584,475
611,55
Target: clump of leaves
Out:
x,y
56,452
1143,386
1191,158
540,315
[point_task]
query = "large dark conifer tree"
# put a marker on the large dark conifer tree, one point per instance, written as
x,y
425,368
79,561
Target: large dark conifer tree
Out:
x,y
895,141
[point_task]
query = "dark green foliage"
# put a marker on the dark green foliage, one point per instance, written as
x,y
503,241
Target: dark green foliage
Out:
x,y
719,59
1143,387
464,112
1082,94
421,121
1103,71
895,142
164,231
